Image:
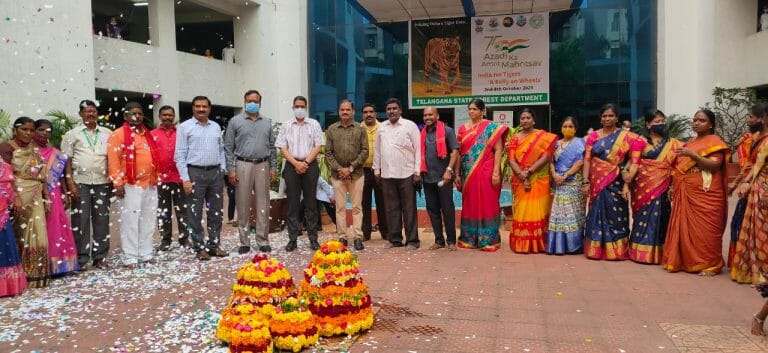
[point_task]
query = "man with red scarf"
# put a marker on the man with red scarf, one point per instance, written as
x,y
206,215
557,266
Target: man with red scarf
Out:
x,y
132,170
439,151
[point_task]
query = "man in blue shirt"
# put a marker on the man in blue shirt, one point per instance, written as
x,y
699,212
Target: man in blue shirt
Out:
x,y
200,160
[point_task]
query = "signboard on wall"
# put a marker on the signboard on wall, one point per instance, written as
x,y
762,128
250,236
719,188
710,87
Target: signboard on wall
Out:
x,y
503,60
504,117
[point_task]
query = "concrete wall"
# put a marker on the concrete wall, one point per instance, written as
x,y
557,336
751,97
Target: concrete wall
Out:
x,y
271,45
742,53
703,44
47,56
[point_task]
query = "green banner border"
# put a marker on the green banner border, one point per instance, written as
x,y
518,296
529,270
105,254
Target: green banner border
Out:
x,y
490,99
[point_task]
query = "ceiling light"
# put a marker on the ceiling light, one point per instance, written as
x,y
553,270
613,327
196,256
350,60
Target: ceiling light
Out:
x,y
140,4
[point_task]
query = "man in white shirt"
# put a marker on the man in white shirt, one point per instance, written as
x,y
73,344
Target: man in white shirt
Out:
x,y
300,141
397,163
89,186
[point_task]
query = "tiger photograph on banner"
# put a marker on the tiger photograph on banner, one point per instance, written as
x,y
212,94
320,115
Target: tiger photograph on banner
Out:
x,y
441,57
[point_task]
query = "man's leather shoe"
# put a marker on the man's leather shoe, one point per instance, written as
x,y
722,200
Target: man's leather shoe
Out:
x,y
344,241
218,252
243,249
265,248
291,246
367,237
100,264
202,255
313,244
359,244
165,245
184,242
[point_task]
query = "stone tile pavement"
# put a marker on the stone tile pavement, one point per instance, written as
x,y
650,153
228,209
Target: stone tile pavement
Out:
x,y
429,301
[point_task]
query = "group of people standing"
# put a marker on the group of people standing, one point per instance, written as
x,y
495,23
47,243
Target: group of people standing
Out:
x,y
669,185
571,195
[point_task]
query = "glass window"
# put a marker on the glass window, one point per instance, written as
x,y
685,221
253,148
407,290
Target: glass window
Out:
x,y
602,52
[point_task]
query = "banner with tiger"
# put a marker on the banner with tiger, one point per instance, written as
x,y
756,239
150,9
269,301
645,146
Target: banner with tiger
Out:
x,y
502,59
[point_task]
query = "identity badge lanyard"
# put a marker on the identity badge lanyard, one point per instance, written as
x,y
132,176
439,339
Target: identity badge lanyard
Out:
x,y
91,144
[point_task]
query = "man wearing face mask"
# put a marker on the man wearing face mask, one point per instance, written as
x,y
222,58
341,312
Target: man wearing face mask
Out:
x,y
300,141
251,162
132,169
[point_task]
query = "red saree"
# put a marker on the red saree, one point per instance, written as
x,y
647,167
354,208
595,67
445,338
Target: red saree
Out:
x,y
699,206
751,255
480,209
531,207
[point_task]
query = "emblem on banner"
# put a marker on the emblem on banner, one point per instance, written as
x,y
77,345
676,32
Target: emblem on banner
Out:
x,y
522,20
508,21
536,21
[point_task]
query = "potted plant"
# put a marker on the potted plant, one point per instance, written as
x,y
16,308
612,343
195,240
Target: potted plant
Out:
x,y
730,106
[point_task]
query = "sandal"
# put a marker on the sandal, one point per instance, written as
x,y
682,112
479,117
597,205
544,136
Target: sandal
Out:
x,y
452,247
436,246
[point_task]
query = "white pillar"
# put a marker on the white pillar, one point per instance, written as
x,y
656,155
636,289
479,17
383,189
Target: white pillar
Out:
x,y
47,56
686,55
162,34
273,36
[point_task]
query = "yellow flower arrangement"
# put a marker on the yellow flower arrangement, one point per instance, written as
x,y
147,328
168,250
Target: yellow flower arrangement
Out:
x,y
230,316
263,281
251,334
335,291
293,326
345,324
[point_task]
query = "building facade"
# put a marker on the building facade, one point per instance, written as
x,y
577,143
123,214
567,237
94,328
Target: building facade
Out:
x,y
668,54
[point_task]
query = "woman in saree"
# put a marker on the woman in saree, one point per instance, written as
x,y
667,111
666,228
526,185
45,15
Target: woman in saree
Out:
x,y
747,157
530,151
30,202
606,152
62,253
566,219
479,179
750,259
651,175
12,278
699,205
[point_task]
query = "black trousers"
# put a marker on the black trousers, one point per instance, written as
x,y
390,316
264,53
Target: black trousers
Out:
x,y
170,200
231,205
329,208
441,211
401,210
296,187
370,185
92,214
207,189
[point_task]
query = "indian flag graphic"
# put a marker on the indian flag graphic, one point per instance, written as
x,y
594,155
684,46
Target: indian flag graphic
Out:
x,y
512,45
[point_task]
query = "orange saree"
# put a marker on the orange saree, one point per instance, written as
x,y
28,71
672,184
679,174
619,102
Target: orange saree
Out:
x,y
531,207
751,255
699,206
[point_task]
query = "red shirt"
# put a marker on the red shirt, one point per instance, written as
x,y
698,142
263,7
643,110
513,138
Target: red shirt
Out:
x,y
165,140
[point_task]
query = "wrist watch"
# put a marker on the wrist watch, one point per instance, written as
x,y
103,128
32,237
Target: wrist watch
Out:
x,y
449,170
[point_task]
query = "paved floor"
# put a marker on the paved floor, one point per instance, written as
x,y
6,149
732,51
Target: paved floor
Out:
x,y
429,301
